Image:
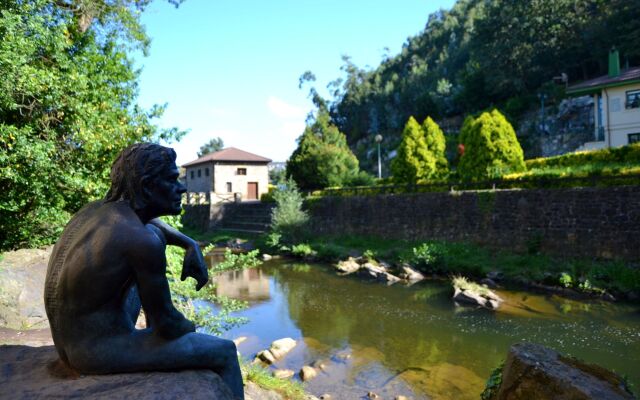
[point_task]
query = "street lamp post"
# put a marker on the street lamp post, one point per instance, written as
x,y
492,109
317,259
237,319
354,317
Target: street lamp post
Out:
x,y
378,139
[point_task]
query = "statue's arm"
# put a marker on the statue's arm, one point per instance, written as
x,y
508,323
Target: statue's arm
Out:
x,y
149,263
193,265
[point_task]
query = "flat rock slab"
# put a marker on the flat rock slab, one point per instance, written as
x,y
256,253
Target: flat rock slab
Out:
x,y
36,373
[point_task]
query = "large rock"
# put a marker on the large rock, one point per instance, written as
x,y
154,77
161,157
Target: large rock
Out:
x,y
532,371
410,274
278,349
371,271
470,293
348,266
22,274
36,373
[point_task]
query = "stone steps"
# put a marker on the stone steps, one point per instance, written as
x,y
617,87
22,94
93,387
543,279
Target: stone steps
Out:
x,y
247,217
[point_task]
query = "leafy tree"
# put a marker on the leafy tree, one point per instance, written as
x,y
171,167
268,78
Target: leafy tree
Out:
x,y
491,148
322,157
421,154
67,107
213,145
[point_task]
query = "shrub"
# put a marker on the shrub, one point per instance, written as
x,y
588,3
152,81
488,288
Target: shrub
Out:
x,y
421,154
302,250
491,148
288,218
268,197
425,255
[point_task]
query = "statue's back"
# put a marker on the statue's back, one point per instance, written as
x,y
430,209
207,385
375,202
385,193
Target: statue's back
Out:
x,y
53,296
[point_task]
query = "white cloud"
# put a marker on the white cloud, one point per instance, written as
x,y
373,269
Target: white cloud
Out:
x,y
282,109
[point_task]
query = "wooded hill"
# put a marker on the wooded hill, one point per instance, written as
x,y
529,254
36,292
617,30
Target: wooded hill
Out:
x,y
483,54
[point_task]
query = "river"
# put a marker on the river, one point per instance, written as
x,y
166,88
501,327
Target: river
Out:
x,y
413,340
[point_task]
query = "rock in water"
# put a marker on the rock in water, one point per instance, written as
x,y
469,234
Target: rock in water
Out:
x,y
283,373
411,274
348,266
535,372
279,348
470,293
308,373
36,372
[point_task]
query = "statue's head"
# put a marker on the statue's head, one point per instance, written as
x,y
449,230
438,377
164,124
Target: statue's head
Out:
x,y
146,173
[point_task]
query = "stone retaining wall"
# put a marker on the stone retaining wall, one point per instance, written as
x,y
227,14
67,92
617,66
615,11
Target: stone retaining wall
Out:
x,y
584,222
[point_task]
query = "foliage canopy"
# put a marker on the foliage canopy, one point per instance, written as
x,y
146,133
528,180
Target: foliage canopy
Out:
x,y
67,107
213,145
482,54
322,157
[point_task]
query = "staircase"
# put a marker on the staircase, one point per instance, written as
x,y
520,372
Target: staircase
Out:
x,y
246,217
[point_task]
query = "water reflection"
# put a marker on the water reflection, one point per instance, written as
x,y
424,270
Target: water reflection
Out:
x,y
250,285
412,340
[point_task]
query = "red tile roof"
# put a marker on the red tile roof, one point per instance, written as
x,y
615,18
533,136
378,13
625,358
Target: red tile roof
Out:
x,y
229,154
594,85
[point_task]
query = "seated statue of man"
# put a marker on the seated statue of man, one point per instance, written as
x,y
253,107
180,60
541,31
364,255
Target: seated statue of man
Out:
x,y
111,259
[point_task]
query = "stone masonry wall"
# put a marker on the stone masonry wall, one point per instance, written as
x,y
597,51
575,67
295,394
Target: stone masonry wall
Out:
x,y
583,222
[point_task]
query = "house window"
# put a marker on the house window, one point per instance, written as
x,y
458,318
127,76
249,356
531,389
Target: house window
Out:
x,y
192,175
199,173
206,171
241,171
633,99
634,138
229,188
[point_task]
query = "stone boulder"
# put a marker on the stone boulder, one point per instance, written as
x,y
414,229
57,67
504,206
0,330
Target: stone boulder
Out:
x,y
470,293
348,266
533,371
278,349
37,373
371,271
410,274
22,275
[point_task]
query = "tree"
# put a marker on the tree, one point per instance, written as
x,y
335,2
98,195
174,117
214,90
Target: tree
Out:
x,y
288,220
420,155
213,145
491,147
322,158
67,108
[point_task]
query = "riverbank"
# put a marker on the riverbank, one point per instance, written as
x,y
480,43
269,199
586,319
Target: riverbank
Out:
x,y
570,277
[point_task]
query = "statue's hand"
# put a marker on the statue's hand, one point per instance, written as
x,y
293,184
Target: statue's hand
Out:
x,y
194,266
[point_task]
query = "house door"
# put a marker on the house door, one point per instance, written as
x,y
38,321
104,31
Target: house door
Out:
x,y
252,190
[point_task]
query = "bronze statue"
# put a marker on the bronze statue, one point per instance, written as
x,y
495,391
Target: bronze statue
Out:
x,y
110,260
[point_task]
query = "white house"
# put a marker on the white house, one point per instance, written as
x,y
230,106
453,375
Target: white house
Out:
x,y
226,172
617,105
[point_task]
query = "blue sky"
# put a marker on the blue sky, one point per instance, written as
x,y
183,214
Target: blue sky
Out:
x,y
230,68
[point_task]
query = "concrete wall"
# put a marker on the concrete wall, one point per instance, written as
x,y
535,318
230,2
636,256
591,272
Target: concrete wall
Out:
x,y
228,173
623,121
583,222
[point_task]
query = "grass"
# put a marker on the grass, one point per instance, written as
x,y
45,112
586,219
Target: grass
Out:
x,y
463,284
262,377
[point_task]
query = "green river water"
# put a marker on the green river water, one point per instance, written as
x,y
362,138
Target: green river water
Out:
x,y
413,340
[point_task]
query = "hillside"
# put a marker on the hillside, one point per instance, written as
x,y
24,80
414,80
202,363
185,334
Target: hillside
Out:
x,y
482,54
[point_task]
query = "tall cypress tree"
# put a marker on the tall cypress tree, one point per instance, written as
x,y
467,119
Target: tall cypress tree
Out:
x,y
420,156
